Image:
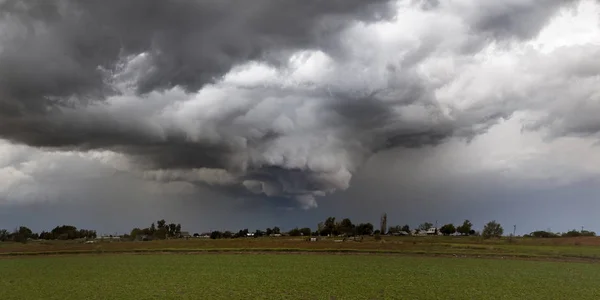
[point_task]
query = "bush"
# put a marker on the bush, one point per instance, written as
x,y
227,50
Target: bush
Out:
x,y
378,237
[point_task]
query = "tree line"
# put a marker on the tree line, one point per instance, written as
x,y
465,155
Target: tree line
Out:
x,y
63,232
345,227
329,227
161,230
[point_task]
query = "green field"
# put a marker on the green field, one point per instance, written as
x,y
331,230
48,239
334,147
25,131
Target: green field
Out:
x,y
288,276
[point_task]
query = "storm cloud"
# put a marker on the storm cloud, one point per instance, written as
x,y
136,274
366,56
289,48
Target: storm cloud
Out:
x,y
281,99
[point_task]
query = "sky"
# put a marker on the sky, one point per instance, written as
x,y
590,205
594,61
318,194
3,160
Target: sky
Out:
x,y
232,114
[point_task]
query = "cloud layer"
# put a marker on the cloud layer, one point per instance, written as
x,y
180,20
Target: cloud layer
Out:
x,y
287,101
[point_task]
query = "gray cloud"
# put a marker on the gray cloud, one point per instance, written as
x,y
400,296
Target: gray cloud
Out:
x,y
278,99
521,19
188,43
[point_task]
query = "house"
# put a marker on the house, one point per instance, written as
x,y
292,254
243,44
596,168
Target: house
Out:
x,y
433,231
185,235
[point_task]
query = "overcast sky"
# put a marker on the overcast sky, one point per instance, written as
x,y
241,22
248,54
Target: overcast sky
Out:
x,y
233,114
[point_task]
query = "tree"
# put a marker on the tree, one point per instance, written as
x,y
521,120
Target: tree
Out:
x,y
294,232
135,232
305,231
383,223
161,224
448,229
543,234
425,226
269,231
3,235
21,234
216,235
25,231
346,227
492,229
171,229
258,233
406,228
276,230
329,227
320,228
152,228
394,229
465,228
364,229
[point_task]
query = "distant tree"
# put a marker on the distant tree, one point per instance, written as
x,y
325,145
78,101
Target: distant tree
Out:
x,y
3,235
394,229
383,224
346,227
588,233
448,229
406,228
305,231
543,234
242,233
161,233
178,229
377,232
258,233
276,230
172,229
227,234
44,235
364,229
216,235
576,233
330,226
269,231
321,228
294,232
465,228
161,224
425,226
135,233
152,228
21,234
492,229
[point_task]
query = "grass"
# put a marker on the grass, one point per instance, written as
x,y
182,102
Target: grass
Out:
x,y
272,276
562,248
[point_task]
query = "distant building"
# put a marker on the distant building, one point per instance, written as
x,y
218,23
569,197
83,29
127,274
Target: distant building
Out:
x,y
109,238
185,235
433,231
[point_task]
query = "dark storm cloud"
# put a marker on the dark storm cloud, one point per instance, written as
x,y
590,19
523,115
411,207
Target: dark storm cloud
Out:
x,y
149,79
521,19
68,48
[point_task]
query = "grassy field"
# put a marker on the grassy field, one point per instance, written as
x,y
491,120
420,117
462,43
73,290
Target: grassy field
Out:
x,y
274,276
586,248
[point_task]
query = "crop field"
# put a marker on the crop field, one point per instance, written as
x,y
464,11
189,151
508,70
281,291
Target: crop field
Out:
x,y
292,276
583,248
